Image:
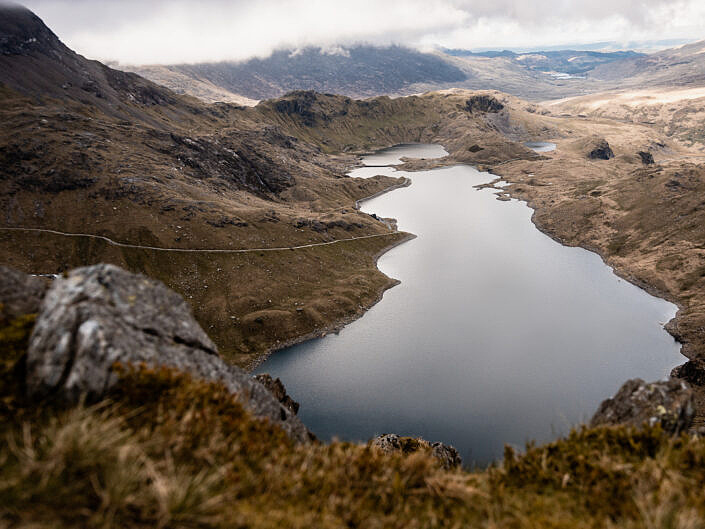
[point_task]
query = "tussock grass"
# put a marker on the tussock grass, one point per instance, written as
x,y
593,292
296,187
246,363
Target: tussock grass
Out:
x,y
165,450
168,451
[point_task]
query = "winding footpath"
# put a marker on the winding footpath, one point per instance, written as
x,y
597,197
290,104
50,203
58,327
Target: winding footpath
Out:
x,y
192,250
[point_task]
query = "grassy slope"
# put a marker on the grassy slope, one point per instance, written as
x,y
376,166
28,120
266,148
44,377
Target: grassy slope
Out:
x,y
646,221
164,185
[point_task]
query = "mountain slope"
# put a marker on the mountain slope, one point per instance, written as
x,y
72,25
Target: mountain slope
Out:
x,y
683,66
101,157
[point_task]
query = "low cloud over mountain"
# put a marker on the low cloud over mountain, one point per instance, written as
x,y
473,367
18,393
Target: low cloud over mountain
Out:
x,y
179,31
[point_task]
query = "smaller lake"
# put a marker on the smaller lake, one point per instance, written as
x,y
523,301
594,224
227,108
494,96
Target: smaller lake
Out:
x,y
497,334
541,146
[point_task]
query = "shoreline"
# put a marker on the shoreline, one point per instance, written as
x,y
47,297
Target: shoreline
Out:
x,y
340,324
448,161
337,326
669,326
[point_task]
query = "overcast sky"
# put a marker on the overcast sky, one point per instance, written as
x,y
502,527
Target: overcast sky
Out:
x,y
175,31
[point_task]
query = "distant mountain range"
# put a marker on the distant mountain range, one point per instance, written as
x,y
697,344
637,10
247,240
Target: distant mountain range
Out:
x,y
681,66
360,71
572,62
366,71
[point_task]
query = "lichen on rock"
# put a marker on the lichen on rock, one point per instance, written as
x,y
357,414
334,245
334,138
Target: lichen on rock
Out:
x,y
668,403
101,316
391,443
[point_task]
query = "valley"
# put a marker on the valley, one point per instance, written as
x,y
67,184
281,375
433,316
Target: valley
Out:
x,y
350,286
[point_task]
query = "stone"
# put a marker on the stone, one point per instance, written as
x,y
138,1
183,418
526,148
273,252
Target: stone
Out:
x,y
102,315
601,150
390,443
20,294
646,157
669,403
276,387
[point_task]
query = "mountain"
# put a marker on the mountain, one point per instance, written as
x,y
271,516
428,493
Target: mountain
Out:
x,y
34,62
664,90
683,66
570,62
359,71
365,71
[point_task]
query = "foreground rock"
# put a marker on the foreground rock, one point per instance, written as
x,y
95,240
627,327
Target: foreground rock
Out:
x,y
669,403
390,443
102,315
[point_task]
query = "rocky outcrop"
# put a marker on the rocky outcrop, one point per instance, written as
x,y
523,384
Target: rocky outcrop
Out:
x,y
483,103
668,403
646,157
390,443
276,387
20,294
102,315
693,371
600,150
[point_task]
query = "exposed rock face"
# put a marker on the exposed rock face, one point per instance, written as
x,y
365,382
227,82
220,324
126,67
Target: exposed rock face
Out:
x,y
483,103
22,32
20,294
276,388
390,443
601,150
669,403
102,315
693,371
646,157
301,104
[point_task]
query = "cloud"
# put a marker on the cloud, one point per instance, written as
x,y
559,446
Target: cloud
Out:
x,y
161,31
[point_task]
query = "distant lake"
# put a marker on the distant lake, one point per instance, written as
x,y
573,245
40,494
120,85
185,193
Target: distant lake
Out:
x,y
541,146
497,334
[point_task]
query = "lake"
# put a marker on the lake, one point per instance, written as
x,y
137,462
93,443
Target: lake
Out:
x,y
541,146
497,333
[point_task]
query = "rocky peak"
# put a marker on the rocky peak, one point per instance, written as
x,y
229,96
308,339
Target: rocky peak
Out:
x,y
483,103
22,32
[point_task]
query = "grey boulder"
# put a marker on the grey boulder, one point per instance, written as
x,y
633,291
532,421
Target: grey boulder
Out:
x,y
102,315
669,403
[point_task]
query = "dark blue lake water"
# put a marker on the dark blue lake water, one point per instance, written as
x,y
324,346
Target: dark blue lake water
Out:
x,y
497,334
